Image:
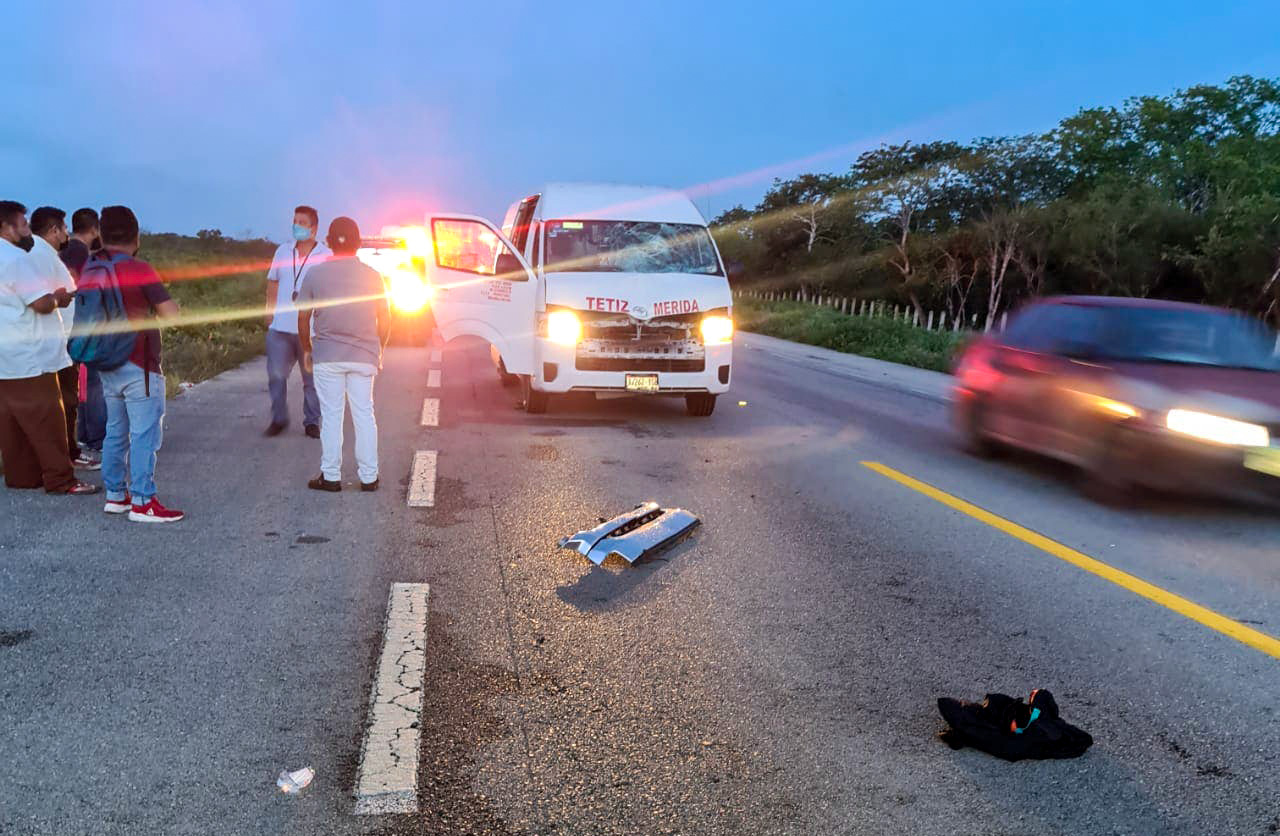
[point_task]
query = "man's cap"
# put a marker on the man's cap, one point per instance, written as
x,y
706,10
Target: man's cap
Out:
x,y
344,232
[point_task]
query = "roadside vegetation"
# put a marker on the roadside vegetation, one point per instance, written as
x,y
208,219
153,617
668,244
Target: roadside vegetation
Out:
x,y
1165,196
882,338
219,282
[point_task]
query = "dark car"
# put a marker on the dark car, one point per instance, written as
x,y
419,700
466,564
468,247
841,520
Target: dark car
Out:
x,y
1134,392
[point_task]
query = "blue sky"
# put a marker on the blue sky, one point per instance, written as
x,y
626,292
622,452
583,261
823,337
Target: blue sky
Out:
x,y
226,114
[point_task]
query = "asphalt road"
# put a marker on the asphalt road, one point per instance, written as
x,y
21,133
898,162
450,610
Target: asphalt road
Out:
x,y
777,673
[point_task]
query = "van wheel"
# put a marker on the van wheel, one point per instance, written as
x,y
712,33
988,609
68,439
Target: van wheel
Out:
x,y
506,377
535,402
700,405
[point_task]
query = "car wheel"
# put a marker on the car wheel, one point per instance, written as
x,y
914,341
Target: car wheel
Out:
x,y
1108,479
974,427
507,378
700,405
535,402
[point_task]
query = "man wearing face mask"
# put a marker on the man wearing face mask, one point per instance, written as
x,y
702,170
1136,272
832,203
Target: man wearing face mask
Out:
x,y
284,350
49,226
33,347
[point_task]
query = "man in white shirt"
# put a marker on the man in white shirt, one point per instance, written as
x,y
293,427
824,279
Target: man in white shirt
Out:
x,y
284,350
33,347
49,226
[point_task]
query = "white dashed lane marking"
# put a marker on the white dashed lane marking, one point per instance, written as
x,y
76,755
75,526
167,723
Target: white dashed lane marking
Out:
x,y
422,480
433,379
436,355
431,412
387,780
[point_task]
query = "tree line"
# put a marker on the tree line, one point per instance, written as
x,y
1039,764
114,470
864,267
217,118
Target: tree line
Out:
x,y
1174,197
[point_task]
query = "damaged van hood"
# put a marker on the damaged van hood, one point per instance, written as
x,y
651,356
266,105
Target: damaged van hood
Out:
x,y
643,296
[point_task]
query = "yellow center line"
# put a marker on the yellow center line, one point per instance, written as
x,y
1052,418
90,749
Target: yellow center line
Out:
x,y
1213,620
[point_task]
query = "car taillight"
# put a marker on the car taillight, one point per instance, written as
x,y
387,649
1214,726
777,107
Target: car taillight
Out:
x,y
975,369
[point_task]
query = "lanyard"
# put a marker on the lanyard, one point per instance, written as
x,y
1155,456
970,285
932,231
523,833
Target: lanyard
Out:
x,y
297,271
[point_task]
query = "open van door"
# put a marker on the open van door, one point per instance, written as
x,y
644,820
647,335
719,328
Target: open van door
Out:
x,y
482,287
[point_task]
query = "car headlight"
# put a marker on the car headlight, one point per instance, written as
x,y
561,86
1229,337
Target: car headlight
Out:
x,y
717,329
1217,429
408,292
564,327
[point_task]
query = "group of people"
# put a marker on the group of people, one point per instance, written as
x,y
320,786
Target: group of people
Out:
x,y
327,313
57,415
68,405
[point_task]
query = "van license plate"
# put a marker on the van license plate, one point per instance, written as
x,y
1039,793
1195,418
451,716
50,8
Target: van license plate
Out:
x,y
1265,460
644,383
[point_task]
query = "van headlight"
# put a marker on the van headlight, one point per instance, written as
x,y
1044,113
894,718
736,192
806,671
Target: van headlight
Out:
x,y
717,330
564,328
1217,429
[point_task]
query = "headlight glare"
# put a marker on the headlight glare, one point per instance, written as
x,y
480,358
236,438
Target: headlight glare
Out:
x,y
717,329
1216,429
564,327
408,292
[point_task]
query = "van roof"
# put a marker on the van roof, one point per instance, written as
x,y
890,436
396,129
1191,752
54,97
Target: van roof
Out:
x,y
610,202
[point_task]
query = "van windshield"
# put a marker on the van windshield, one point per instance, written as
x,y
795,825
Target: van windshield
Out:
x,y
629,247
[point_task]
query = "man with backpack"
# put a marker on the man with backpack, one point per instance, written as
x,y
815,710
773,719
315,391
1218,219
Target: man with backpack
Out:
x,y
33,347
91,418
115,288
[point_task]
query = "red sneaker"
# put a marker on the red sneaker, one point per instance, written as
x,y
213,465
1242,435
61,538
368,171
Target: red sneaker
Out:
x,y
153,512
118,506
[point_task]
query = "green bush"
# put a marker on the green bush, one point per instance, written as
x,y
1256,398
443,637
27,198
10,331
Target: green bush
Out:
x,y
878,337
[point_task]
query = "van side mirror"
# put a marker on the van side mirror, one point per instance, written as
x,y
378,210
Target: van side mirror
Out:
x,y
736,271
508,267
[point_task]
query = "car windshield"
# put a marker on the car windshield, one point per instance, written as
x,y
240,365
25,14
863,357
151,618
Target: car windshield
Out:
x,y
629,247
1192,337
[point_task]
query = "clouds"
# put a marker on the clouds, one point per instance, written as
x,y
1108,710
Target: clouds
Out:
x,y
225,113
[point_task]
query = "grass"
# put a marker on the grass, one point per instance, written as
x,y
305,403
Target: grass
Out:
x,y
202,277
878,337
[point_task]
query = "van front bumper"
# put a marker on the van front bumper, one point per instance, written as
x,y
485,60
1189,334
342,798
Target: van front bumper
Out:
x,y
556,372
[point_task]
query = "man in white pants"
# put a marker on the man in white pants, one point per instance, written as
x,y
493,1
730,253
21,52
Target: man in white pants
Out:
x,y
343,324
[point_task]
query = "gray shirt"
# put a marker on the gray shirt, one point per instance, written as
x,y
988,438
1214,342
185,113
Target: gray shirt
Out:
x,y
346,296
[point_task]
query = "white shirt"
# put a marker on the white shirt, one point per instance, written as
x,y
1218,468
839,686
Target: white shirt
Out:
x,y
27,339
289,270
52,270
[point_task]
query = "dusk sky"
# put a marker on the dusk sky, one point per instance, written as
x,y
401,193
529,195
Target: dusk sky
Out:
x,y
226,114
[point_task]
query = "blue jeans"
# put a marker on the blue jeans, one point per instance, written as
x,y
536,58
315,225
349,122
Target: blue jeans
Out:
x,y
134,431
284,351
91,421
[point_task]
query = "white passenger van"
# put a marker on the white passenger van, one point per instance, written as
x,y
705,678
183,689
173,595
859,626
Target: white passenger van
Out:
x,y
590,288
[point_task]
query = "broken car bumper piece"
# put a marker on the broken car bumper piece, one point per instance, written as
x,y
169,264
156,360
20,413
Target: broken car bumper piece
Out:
x,y
644,531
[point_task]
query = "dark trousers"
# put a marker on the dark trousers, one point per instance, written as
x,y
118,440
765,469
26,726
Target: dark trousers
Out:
x,y
69,385
284,351
33,434
91,420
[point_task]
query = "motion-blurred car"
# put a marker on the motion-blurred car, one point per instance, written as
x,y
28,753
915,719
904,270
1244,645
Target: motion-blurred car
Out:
x,y
1136,393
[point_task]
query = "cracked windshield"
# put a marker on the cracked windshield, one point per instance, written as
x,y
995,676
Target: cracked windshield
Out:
x,y
716,420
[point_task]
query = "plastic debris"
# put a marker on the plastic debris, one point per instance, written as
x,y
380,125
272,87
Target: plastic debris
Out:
x,y
1011,729
644,531
292,783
